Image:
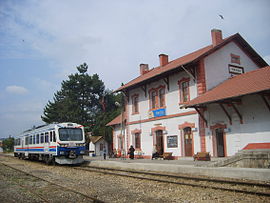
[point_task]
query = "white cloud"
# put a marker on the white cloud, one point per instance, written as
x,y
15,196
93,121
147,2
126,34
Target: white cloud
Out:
x,y
14,89
120,35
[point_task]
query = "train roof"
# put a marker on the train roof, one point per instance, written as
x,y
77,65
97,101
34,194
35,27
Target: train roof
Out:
x,y
46,127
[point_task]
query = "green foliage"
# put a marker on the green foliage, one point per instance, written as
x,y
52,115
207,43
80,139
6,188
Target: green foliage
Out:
x,y
108,113
78,99
8,144
84,100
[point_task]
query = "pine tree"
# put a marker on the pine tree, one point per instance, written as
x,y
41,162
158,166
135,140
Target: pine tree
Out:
x,y
84,100
78,99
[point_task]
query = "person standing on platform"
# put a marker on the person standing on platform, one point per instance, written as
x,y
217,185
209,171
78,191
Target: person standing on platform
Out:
x,y
131,152
104,152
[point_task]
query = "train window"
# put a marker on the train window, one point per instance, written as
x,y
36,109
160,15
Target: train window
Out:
x,y
42,138
70,134
54,138
46,137
27,140
18,141
51,136
37,138
31,140
34,139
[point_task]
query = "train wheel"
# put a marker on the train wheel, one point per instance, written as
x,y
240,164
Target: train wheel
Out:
x,y
47,160
53,161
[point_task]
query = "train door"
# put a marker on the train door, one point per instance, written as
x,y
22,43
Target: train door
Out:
x,y
220,142
26,146
159,141
22,147
188,141
46,142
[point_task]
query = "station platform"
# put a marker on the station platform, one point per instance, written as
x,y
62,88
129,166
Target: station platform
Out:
x,y
184,165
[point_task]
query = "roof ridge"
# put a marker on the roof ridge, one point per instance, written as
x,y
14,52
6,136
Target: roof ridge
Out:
x,y
159,67
187,59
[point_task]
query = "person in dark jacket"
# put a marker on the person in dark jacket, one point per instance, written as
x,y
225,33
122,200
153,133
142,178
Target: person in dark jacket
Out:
x,y
131,152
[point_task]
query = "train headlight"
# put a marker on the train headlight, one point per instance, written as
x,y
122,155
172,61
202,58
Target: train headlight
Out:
x,y
62,152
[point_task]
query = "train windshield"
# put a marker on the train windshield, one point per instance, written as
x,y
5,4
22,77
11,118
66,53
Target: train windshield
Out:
x,y
70,134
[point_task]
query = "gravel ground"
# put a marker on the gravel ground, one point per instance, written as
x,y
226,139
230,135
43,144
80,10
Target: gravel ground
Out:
x,y
104,187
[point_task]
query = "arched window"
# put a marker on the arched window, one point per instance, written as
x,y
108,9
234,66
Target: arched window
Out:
x,y
135,104
137,140
153,99
184,90
157,97
161,94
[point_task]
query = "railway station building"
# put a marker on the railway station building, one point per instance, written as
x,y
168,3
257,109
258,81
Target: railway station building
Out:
x,y
215,99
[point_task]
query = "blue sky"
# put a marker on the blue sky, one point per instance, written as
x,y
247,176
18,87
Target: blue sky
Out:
x,y
42,42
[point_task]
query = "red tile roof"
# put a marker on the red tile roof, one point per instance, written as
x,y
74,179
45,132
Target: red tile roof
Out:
x,y
193,57
116,120
240,85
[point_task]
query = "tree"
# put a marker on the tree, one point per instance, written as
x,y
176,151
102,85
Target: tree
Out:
x,y
108,113
8,144
84,100
78,99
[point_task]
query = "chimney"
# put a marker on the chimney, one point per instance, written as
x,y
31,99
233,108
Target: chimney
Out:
x,y
216,36
163,59
144,68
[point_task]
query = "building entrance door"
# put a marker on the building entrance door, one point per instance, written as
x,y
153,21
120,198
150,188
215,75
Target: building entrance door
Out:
x,y
188,141
159,142
220,142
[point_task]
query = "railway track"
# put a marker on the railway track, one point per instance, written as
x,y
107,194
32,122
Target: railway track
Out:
x,y
53,185
246,187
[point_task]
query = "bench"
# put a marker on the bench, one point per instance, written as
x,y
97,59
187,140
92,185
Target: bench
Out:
x,y
167,156
202,156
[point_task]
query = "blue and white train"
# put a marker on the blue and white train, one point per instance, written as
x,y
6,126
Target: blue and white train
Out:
x,y
63,143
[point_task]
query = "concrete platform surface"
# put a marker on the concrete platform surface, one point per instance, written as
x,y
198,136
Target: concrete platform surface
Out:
x,y
182,166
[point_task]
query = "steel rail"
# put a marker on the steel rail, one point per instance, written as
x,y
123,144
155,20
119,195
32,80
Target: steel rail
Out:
x,y
108,171
186,177
27,188
93,199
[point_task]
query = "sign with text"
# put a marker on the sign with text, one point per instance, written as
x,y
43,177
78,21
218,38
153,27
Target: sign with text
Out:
x,y
159,112
172,141
236,69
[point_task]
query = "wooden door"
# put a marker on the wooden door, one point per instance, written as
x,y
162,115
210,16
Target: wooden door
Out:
x,y
220,142
159,141
188,141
